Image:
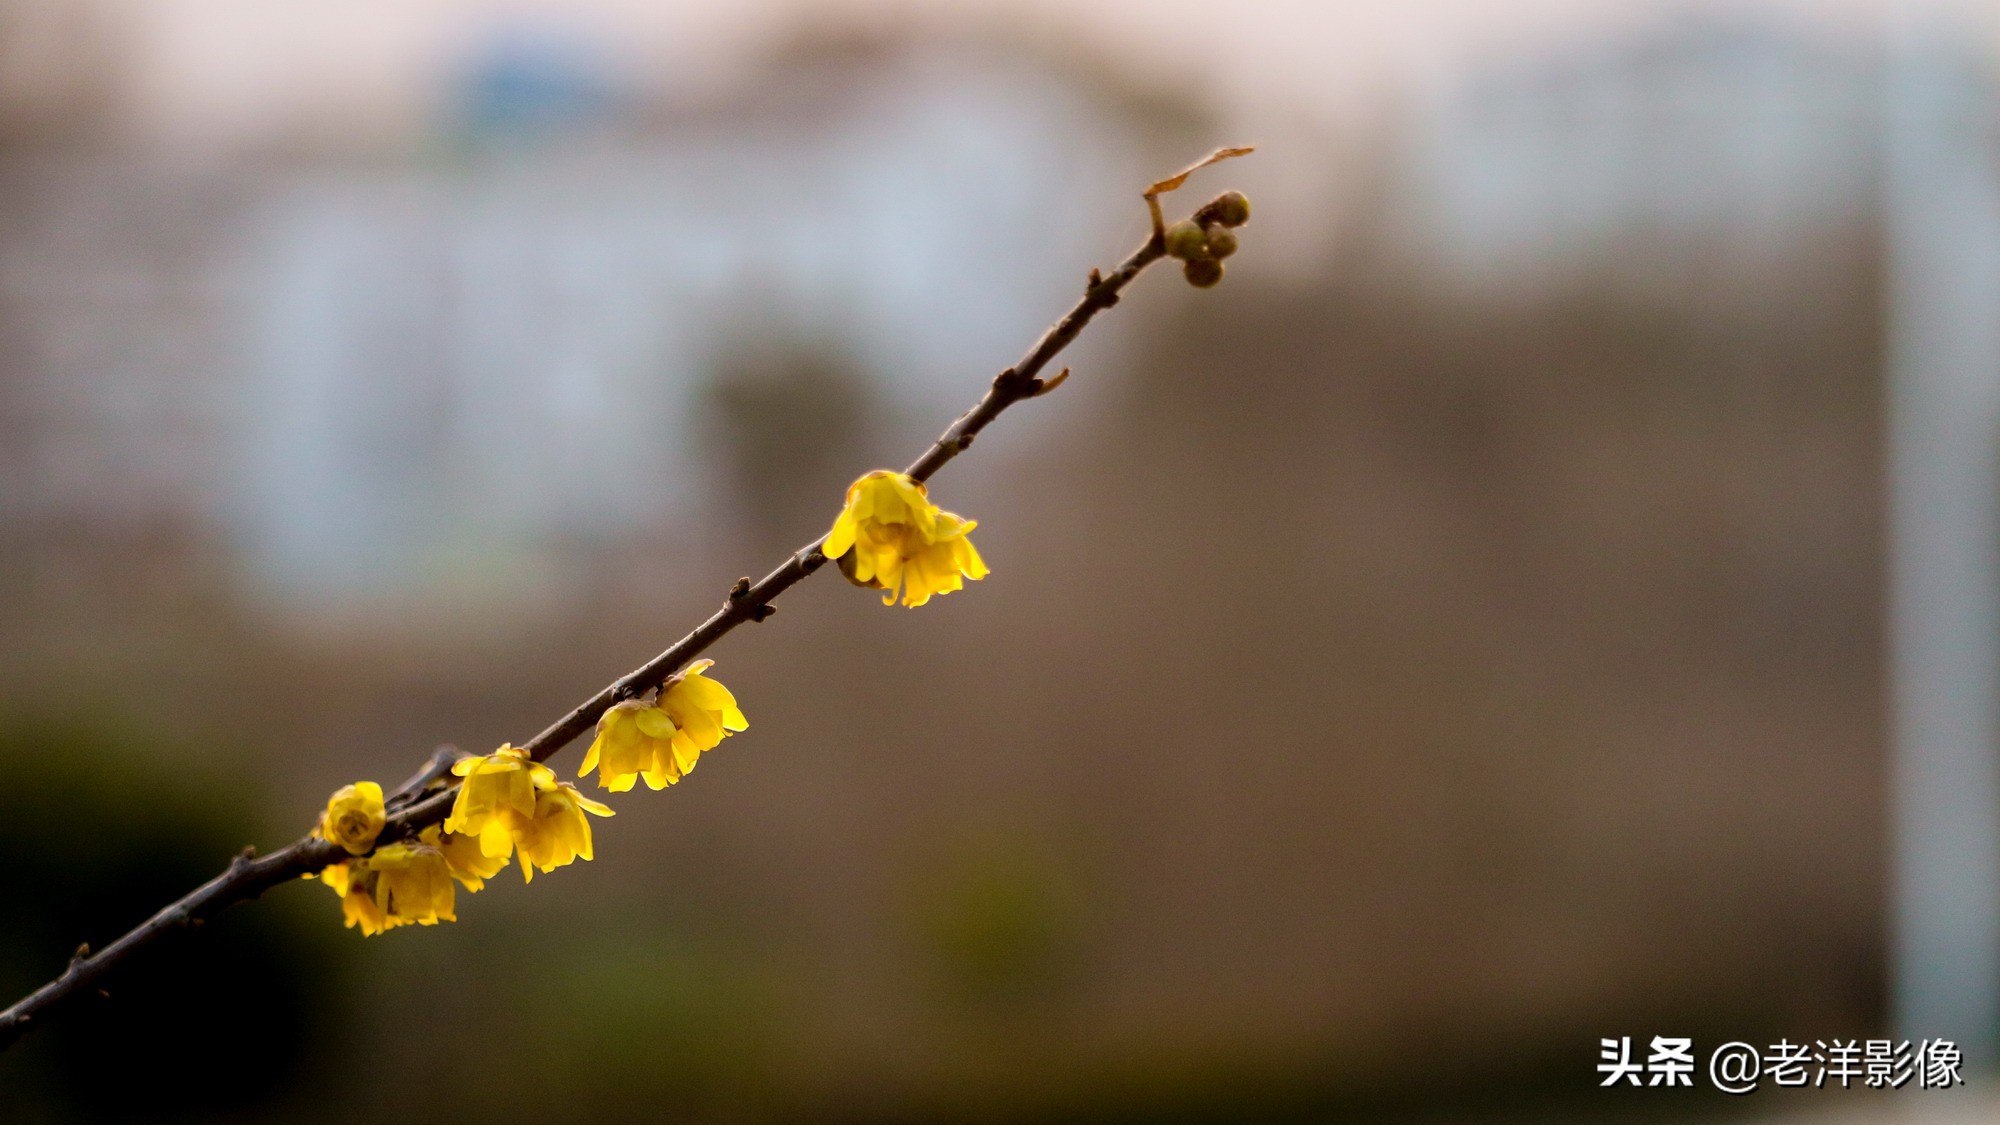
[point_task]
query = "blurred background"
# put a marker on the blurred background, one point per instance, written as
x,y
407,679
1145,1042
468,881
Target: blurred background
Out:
x,y
1463,635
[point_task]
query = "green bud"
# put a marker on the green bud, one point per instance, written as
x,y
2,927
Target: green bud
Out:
x,y
1202,273
1221,242
1231,209
1186,241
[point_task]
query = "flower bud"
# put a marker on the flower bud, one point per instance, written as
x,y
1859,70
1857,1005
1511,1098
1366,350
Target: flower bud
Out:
x,y
1221,242
1203,273
1231,208
1186,241
354,816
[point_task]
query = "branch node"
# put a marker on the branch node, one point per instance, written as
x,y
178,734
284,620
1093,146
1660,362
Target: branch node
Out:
x,y
81,955
1096,279
761,612
963,442
740,590
104,994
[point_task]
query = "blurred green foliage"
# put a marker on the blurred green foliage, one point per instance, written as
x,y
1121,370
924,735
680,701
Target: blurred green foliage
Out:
x,y
1000,919
631,1020
101,830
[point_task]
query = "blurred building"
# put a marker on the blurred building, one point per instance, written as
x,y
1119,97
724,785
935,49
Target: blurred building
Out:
x,y
1723,146
366,373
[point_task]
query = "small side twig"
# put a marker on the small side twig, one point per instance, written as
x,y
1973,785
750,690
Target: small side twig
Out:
x,y
432,772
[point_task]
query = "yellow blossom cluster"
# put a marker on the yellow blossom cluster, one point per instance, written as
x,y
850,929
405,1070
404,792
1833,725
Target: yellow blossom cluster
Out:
x,y
506,803
408,882
509,803
661,740
890,535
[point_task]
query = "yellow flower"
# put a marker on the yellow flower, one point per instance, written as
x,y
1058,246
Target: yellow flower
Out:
x,y
703,709
633,738
662,740
462,857
890,535
357,898
496,801
412,884
559,833
354,817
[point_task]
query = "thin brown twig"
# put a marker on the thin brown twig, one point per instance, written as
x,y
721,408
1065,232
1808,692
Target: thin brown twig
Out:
x,y
249,875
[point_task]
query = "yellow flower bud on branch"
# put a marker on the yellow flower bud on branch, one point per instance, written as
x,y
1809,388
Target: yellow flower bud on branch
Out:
x,y
662,740
890,536
354,817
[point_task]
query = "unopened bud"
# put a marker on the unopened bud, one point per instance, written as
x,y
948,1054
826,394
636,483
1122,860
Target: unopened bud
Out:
x,y
1221,242
1186,241
1231,208
1203,273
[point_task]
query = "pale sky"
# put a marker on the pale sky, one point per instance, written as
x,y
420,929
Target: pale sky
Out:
x,y
223,72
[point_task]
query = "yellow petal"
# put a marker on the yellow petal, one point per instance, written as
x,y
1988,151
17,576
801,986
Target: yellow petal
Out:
x,y
495,841
655,723
841,537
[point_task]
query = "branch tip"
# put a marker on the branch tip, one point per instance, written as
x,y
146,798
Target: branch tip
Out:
x,y
1162,187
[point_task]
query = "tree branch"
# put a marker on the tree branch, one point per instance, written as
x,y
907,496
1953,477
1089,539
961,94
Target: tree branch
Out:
x,y
247,876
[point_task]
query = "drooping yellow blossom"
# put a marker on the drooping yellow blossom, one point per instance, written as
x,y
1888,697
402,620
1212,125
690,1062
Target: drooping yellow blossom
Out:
x,y
633,739
354,817
559,832
412,884
703,709
662,740
467,864
496,801
890,535
356,889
